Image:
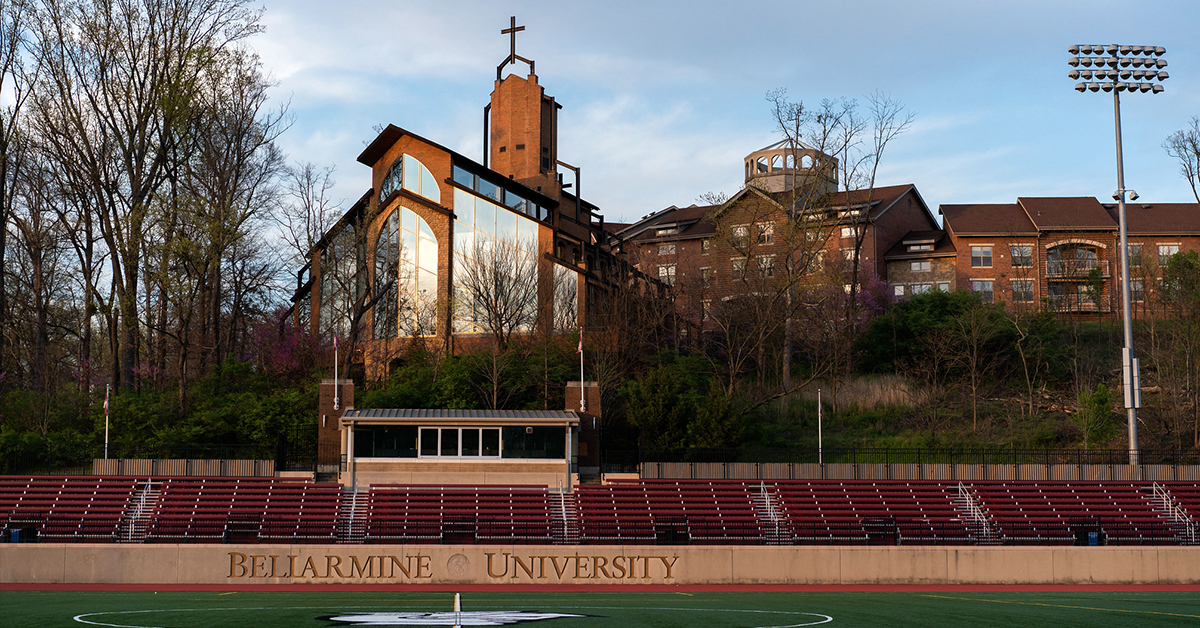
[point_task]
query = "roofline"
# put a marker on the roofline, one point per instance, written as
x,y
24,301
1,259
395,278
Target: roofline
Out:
x,y
907,255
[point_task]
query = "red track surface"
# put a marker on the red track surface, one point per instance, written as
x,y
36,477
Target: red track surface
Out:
x,y
651,588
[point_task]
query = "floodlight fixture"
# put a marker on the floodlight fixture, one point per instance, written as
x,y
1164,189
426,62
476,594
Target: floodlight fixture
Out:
x,y
1111,79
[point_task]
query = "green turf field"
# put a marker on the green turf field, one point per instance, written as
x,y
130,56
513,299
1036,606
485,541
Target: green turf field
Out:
x,y
595,610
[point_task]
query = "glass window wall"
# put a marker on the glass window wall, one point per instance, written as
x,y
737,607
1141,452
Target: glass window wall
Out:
x,y
488,234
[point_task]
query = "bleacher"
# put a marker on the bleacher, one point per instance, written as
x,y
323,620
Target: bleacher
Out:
x,y
245,510
828,512
458,514
647,512
65,509
1055,513
669,512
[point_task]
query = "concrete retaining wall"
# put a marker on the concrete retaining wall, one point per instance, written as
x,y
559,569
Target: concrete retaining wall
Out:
x,y
236,565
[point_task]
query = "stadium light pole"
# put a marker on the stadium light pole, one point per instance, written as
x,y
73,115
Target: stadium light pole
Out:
x,y
1116,68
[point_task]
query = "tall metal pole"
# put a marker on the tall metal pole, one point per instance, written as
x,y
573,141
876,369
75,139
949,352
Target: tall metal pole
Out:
x,y
1129,365
820,447
1117,68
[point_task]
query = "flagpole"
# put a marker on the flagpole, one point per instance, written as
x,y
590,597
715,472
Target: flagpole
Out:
x,y
107,388
336,387
582,396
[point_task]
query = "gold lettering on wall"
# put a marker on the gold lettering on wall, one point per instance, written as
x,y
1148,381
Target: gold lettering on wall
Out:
x,y
507,566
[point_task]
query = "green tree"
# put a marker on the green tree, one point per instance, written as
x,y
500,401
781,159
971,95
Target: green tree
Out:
x,y
1093,414
663,403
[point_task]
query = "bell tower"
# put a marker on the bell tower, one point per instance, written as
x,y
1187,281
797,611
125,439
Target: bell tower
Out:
x,y
523,125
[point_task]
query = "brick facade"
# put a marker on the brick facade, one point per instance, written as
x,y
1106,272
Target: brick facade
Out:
x,y
710,253
1073,264
524,180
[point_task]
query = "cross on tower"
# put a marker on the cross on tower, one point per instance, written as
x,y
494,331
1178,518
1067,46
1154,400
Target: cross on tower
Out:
x,y
513,57
512,31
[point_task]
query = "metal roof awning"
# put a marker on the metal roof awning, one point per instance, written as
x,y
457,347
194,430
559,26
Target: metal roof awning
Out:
x,y
391,416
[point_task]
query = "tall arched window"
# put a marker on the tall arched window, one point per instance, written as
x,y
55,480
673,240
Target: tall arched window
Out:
x,y
387,277
406,255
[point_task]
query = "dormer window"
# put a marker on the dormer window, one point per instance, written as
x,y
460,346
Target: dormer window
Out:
x,y
666,232
913,248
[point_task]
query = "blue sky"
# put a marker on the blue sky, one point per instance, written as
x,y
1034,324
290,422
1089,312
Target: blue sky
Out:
x,y
661,100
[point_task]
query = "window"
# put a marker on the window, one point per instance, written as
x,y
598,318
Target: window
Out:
x,y
983,288
741,235
704,246
1135,255
392,180
706,276
1022,255
766,233
944,286
666,249
418,179
737,267
406,269
385,441
1165,251
920,267
485,233
766,266
922,288
534,442
706,309
1137,292
666,232
981,256
914,248
851,232
666,274
387,275
898,291
466,442
1022,290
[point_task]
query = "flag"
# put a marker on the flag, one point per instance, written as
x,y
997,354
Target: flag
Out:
x,y
106,390
580,349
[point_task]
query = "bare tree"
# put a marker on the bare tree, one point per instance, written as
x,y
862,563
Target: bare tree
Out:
x,y
1184,146
15,76
498,288
116,104
974,332
308,211
855,146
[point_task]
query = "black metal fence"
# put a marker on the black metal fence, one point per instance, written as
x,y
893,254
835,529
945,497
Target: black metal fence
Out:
x,y
45,456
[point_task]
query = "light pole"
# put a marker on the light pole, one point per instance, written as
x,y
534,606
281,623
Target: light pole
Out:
x,y
1115,68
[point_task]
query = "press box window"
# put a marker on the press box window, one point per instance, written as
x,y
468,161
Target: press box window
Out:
x,y
385,441
535,442
466,442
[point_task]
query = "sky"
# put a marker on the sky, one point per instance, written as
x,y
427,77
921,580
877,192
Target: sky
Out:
x,y
663,99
